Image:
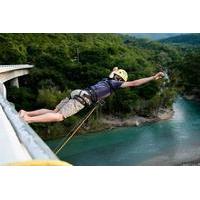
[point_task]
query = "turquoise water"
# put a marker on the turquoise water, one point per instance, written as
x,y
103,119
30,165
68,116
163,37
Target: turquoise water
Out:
x,y
167,142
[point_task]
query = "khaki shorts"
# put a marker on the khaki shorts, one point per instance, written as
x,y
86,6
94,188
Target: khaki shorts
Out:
x,y
68,107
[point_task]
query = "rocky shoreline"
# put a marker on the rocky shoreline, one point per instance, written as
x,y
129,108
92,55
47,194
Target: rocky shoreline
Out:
x,y
113,122
194,95
110,122
190,163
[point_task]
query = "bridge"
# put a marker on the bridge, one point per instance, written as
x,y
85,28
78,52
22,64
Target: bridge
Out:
x,y
12,72
19,144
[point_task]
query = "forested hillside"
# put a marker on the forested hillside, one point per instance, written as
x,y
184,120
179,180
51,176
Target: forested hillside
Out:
x,y
154,36
64,62
185,39
189,67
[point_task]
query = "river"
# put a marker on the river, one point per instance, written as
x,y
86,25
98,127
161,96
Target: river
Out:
x,y
169,142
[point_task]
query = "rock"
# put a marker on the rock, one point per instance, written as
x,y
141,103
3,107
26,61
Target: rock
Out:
x,y
165,114
137,123
189,97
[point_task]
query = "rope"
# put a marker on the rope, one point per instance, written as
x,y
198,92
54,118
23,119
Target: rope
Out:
x,y
75,129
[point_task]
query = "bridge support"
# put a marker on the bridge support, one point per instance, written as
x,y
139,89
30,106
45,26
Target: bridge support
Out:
x,y
2,89
15,82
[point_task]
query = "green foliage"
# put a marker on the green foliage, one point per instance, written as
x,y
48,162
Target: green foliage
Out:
x,y
50,97
184,39
190,71
21,96
12,53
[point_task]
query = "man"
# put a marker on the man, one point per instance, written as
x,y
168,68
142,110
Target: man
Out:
x,y
81,98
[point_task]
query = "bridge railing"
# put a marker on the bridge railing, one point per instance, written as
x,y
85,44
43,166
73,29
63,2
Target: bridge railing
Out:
x,y
19,65
27,136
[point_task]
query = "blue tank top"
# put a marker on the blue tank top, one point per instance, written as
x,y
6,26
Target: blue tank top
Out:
x,y
105,87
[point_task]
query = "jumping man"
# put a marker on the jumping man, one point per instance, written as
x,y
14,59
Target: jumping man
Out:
x,y
84,97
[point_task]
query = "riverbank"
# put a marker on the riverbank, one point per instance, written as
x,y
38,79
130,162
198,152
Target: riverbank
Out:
x,y
193,95
109,122
190,163
163,114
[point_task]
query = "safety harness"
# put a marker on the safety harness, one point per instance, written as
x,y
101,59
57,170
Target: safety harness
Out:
x,y
91,96
81,98
112,89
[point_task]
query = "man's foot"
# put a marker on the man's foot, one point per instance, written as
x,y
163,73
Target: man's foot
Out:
x,y
22,113
26,118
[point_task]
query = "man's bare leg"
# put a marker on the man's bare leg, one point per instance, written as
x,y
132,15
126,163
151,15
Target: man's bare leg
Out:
x,y
46,117
22,113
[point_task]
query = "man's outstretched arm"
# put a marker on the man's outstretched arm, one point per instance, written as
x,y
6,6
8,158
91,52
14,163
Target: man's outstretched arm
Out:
x,y
142,81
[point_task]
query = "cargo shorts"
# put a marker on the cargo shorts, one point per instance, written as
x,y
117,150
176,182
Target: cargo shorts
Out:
x,y
68,107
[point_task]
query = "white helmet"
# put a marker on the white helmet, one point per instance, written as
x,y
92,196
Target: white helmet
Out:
x,y
119,72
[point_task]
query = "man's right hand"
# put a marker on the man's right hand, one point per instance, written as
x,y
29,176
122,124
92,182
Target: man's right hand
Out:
x,y
159,75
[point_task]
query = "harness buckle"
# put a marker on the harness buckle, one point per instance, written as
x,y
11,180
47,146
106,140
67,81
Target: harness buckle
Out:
x,y
101,102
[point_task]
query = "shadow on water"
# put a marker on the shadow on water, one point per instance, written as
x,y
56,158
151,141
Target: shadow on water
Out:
x,y
162,143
